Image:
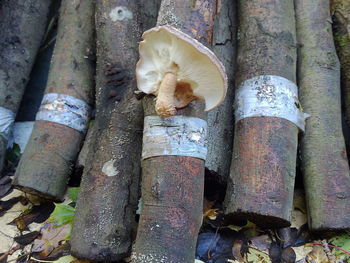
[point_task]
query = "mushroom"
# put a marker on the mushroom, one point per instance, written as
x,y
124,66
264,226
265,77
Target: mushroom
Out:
x,y
178,69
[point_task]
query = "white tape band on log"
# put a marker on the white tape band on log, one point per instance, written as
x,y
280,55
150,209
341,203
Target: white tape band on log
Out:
x,y
269,96
7,119
176,135
65,110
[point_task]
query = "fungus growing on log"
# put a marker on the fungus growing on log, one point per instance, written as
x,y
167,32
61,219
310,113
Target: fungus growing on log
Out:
x,y
178,69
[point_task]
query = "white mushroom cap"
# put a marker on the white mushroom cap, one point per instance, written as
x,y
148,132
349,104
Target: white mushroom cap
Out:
x,y
165,49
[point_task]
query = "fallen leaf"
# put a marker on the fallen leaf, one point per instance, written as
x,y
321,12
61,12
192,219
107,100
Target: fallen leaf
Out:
x,y
298,219
211,213
301,252
27,238
239,228
317,255
261,243
73,193
8,204
65,259
236,251
288,255
299,200
256,256
51,237
62,214
342,242
37,214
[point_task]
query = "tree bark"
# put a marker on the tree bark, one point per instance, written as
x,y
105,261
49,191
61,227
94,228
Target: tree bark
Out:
x,y
341,30
260,186
105,225
172,186
221,119
52,148
324,161
23,25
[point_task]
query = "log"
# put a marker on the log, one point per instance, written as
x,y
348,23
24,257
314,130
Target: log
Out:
x,y
22,28
221,119
105,221
261,182
323,154
55,141
172,186
340,9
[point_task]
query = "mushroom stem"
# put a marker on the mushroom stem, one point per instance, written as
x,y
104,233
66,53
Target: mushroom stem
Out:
x,y
165,102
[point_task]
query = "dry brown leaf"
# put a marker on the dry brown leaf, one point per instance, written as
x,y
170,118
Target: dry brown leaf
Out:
x,y
317,255
211,214
51,237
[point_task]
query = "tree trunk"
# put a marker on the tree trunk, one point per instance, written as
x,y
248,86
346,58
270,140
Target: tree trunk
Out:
x,y
221,119
53,146
324,161
260,187
172,186
22,27
105,225
341,30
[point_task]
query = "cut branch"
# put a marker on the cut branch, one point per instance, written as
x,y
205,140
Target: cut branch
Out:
x,y
52,149
105,225
172,186
261,182
22,28
324,161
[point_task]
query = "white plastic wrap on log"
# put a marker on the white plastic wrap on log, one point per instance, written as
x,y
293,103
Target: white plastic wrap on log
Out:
x,y
65,110
269,96
7,118
176,135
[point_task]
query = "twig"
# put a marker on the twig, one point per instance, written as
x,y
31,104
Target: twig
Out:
x,y
15,259
8,253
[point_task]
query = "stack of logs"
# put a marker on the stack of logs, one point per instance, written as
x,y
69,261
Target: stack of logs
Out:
x,y
286,86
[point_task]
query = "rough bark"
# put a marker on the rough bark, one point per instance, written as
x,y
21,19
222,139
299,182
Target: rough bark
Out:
x,y
323,153
105,225
261,182
341,30
23,24
221,119
172,186
52,148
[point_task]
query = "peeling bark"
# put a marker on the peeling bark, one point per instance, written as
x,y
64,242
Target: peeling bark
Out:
x,y
23,25
105,225
324,161
261,182
52,148
172,186
221,119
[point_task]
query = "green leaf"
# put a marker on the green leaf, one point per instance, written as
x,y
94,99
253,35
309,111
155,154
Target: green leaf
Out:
x,y
341,241
62,214
73,193
13,154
